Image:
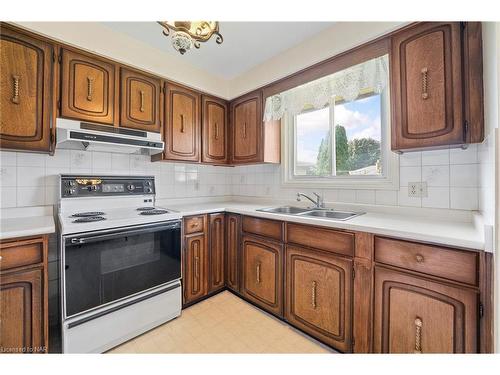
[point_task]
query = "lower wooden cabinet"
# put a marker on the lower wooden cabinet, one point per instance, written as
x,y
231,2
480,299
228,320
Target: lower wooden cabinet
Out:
x,y
319,295
195,281
217,231
414,314
23,296
233,255
262,273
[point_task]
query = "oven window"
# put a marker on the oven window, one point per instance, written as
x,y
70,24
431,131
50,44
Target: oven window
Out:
x,y
103,271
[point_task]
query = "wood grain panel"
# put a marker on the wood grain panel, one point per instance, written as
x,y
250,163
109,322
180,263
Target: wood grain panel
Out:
x,y
195,275
263,227
233,252
216,279
21,253
214,134
194,224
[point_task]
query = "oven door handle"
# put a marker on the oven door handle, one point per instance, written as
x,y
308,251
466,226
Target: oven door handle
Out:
x,y
124,233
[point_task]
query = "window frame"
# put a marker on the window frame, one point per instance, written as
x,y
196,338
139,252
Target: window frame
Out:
x,y
389,180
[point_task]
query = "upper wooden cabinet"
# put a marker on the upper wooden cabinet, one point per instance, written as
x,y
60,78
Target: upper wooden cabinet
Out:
x,y
140,101
27,103
214,134
319,295
88,88
415,314
262,273
182,124
246,128
428,77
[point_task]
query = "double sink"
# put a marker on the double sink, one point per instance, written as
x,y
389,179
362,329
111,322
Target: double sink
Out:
x,y
312,212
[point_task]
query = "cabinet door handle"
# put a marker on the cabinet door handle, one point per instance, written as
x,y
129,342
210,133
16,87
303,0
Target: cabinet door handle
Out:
x,y
425,83
15,86
257,269
216,131
419,258
90,88
244,130
182,123
418,335
197,267
313,295
142,101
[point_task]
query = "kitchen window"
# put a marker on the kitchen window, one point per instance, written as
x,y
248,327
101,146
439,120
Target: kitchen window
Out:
x,y
337,130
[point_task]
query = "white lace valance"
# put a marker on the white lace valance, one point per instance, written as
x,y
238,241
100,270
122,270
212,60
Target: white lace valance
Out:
x,y
347,84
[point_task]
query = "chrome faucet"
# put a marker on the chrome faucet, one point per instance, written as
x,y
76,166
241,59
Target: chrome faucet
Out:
x,y
318,203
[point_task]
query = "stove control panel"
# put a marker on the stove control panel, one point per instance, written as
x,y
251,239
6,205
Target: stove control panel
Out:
x,y
94,186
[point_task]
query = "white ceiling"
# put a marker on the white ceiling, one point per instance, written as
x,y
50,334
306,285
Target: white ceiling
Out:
x,y
246,44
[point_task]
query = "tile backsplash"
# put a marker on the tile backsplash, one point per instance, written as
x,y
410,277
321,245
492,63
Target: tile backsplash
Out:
x,y
31,179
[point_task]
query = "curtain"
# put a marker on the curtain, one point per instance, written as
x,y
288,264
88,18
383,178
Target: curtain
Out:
x,y
346,84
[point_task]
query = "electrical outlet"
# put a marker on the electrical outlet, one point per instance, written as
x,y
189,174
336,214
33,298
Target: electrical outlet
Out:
x,y
417,189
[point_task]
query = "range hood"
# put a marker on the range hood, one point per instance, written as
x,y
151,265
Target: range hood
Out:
x,y
76,135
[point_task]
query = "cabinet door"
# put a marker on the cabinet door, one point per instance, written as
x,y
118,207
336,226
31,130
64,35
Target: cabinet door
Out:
x,y
21,312
216,240
319,295
26,95
182,125
195,280
426,75
233,251
214,131
263,273
246,125
87,88
140,101
418,315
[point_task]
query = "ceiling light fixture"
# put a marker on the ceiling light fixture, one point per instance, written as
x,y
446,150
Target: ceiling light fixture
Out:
x,y
186,34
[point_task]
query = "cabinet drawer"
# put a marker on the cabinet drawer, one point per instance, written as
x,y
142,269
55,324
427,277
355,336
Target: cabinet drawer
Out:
x,y
263,227
21,253
194,224
461,266
320,238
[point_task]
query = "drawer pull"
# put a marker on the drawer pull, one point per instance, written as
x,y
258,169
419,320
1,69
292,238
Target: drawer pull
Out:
x,y
418,335
142,101
182,123
425,83
194,225
257,269
90,88
419,258
216,131
15,82
244,130
197,267
313,295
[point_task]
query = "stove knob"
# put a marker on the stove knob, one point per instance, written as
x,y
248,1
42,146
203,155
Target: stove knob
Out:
x,y
70,191
149,190
131,187
148,183
70,183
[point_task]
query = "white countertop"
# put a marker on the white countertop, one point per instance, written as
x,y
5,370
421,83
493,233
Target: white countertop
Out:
x,y
14,227
467,235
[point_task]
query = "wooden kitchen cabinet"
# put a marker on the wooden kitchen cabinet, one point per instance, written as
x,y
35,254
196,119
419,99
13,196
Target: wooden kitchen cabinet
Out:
x,y
89,88
182,124
27,102
24,296
214,132
319,295
428,76
246,128
415,314
140,101
216,276
233,252
195,275
262,273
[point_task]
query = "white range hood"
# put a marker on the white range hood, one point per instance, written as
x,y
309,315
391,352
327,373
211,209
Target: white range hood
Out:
x,y
76,135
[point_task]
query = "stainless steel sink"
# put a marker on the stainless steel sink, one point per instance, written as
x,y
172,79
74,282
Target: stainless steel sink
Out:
x,y
336,215
312,212
285,210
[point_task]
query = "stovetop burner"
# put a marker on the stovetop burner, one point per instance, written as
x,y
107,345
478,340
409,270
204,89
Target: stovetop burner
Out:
x,y
145,209
89,219
88,214
154,212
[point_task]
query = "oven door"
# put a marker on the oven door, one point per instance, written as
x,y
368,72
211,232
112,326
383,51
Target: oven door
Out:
x,y
103,267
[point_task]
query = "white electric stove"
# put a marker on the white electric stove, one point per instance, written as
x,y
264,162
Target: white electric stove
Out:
x,y
120,260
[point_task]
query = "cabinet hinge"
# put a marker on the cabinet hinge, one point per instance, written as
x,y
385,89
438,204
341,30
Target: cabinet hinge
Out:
x,y
353,273
481,310
59,104
466,127
53,56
